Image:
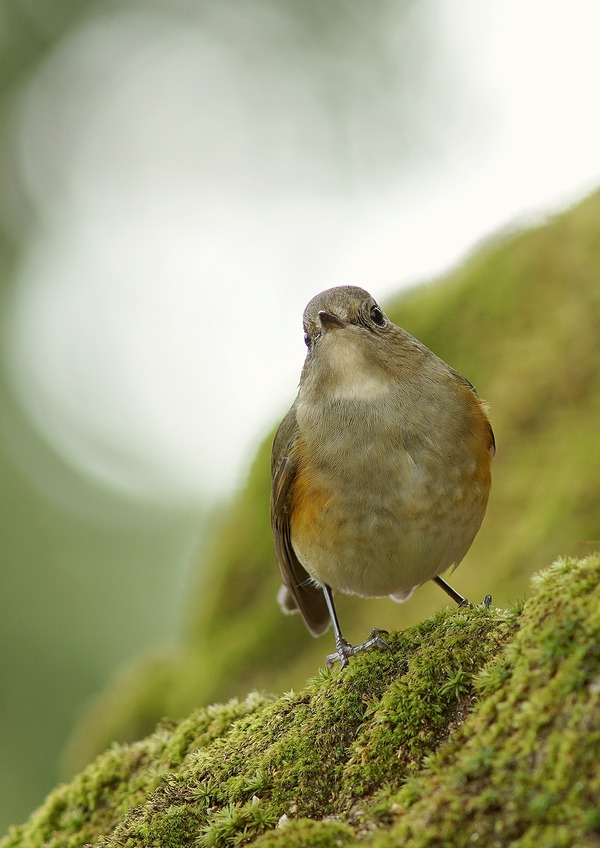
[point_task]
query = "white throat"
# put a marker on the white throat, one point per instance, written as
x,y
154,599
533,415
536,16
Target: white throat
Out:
x,y
350,379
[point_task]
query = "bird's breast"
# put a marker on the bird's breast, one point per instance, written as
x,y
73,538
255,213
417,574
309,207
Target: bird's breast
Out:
x,y
384,500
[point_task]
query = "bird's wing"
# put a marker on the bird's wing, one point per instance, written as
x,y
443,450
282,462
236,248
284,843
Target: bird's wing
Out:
x,y
490,432
301,593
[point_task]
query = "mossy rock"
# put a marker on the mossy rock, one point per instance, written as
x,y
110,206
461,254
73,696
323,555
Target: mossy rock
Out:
x,y
480,727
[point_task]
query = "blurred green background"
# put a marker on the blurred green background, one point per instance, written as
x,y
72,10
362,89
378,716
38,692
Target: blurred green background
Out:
x,y
124,597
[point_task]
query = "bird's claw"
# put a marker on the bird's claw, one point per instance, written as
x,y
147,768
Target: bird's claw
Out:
x,y
486,603
344,650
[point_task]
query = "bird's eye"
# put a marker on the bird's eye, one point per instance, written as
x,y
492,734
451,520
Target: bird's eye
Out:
x,y
307,339
377,316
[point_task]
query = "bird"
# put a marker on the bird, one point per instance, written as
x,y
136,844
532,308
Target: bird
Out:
x,y
380,471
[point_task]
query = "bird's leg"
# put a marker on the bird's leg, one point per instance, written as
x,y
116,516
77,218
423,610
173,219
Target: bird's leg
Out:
x,y
344,650
458,599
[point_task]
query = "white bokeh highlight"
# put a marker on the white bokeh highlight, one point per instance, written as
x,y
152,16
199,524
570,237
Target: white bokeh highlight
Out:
x,y
189,203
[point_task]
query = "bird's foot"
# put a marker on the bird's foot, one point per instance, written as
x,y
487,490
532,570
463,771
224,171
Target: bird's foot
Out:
x,y
486,603
344,650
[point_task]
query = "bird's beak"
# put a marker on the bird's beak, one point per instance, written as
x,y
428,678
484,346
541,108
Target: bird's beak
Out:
x,y
330,322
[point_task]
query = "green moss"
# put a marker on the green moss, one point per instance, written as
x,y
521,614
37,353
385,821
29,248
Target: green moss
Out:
x,y
481,726
316,834
524,770
123,777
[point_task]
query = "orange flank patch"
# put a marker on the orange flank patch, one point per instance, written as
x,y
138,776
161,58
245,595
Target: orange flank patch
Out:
x,y
308,501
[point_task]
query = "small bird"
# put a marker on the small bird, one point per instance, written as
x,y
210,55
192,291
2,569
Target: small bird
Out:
x,y
380,470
